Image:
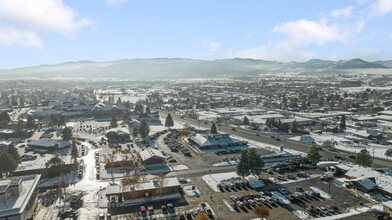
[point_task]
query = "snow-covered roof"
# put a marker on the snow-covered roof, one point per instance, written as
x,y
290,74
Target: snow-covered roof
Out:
x,y
297,119
307,139
151,184
150,152
383,181
366,183
17,205
49,143
388,204
207,139
119,131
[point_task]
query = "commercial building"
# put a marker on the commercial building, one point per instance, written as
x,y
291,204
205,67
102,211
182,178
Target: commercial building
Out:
x,y
17,197
220,141
143,193
47,143
151,156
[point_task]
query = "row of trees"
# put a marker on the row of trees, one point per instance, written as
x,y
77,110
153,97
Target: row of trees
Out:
x,y
250,163
9,160
362,158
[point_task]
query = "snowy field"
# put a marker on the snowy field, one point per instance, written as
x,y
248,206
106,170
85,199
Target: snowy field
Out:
x,y
344,143
161,127
212,180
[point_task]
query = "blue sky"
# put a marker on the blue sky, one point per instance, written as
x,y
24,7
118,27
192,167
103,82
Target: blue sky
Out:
x,y
55,31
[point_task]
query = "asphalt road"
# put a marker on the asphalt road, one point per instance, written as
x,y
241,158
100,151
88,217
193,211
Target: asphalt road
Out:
x,y
265,138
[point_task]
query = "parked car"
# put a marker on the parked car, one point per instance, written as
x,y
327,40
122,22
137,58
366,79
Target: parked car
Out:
x,y
292,177
299,189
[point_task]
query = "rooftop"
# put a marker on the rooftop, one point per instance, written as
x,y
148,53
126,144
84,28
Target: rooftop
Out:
x,y
151,184
49,143
15,206
150,152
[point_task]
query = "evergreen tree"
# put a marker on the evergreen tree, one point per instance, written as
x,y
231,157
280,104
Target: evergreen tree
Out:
x,y
294,127
119,102
53,120
169,121
127,104
144,129
126,117
135,133
246,121
314,155
255,162
67,133
7,163
243,167
363,158
113,123
30,123
342,125
74,152
19,127
4,119
55,166
13,152
148,111
61,120
213,129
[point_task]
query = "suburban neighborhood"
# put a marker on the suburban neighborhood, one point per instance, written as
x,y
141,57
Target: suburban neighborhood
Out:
x,y
273,148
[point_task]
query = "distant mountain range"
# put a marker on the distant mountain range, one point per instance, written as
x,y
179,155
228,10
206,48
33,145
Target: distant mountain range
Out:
x,y
172,68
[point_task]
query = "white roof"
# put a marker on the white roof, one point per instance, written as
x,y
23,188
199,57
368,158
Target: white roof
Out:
x,y
383,181
213,139
150,152
388,204
297,119
47,143
150,184
16,206
121,130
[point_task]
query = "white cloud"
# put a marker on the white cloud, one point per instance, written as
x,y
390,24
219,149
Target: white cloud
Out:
x,y
344,12
214,47
114,2
26,18
380,8
278,52
304,32
292,40
9,36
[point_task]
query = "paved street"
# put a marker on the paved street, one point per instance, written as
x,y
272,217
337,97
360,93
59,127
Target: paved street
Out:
x,y
295,145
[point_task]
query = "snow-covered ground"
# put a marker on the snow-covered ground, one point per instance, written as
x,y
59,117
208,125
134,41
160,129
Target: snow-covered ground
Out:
x,y
351,212
322,193
269,147
160,127
90,187
343,142
178,167
301,214
192,192
228,205
212,180
272,179
226,163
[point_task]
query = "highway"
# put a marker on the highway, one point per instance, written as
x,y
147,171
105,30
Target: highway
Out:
x,y
265,138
